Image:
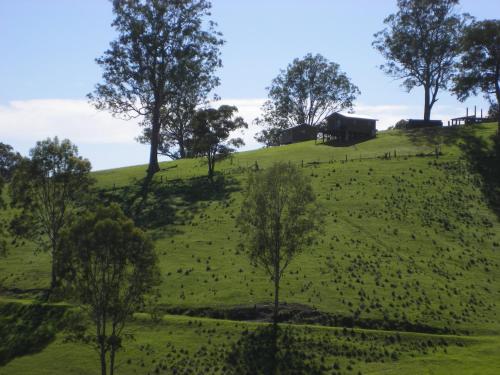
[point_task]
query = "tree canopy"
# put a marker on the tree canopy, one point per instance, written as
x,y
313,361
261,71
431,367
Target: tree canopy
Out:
x,y
420,45
163,47
493,110
113,267
278,219
211,129
3,235
479,65
46,187
306,92
8,160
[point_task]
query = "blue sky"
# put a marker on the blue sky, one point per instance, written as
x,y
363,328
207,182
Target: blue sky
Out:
x,y
49,46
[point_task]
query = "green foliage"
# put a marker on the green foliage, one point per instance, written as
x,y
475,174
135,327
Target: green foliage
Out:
x,y
3,235
113,266
401,124
163,59
268,137
211,129
478,69
420,45
278,218
46,188
493,111
306,92
8,161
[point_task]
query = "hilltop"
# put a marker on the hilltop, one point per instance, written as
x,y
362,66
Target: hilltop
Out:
x,y
411,243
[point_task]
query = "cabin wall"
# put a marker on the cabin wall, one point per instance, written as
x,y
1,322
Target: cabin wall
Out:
x,y
298,134
349,129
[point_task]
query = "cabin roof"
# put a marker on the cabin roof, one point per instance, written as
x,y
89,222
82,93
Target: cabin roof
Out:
x,y
299,126
352,115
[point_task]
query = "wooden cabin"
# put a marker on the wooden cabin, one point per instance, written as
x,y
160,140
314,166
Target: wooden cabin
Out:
x,y
344,127
298,133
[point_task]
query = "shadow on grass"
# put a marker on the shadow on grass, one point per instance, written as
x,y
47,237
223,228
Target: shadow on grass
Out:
x,y
440,136
269,351
27,329
482,154
152,204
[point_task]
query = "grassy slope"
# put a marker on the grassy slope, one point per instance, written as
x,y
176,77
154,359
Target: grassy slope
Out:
x,y
205,346
410,238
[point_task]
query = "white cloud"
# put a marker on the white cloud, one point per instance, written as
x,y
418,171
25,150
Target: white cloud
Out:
x,y
32,120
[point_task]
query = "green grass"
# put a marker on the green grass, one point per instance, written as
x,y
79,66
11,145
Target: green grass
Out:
x,y
214,347
409,239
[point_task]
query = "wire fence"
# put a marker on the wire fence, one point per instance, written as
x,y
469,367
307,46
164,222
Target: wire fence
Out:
x,y
240,166
233,166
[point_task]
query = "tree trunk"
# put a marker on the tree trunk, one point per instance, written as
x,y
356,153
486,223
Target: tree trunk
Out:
x,y
274,350
103,360
182,149
211,162
155,137
112,361
53,281
498,121
276,296
102,350
427,104
497,91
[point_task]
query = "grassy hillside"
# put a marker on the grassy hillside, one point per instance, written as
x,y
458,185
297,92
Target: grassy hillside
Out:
x,y
183,345
411,242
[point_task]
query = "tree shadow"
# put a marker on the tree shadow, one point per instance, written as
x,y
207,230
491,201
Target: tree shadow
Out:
x,y
270,350
440,136
27,329
158,203
482,154
483,157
